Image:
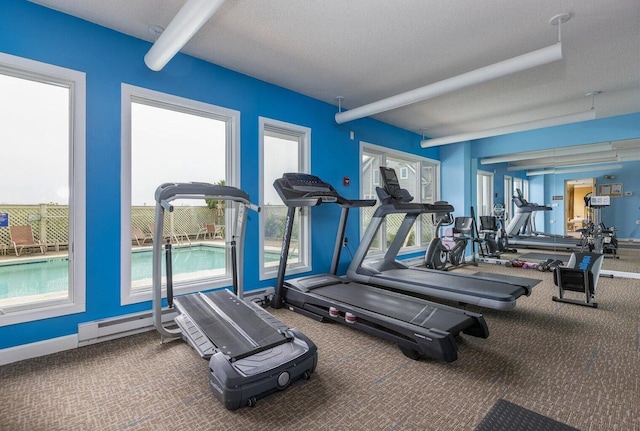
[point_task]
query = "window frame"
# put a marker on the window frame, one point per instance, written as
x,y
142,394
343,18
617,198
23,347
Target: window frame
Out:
x,y
129,95
75,81
304,215
383,153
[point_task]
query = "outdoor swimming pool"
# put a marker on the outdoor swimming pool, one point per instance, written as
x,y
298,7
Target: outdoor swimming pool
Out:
x,y
51,276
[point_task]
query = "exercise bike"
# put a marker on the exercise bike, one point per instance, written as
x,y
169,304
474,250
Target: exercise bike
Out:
x,y
449,249
494,234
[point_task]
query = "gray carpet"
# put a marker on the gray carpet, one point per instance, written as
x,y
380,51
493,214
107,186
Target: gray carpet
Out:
x,y
576,365
506,416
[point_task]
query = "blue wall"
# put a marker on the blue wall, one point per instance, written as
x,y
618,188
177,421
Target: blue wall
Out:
x,y
109,58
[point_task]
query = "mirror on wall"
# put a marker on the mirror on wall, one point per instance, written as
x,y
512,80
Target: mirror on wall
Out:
x,y
558,180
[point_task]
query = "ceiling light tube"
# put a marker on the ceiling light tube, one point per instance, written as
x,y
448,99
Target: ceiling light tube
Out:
x,y
520,127
551,152
587,168
193,15
516,64
559,164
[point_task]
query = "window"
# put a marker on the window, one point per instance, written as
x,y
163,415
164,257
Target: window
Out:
x,y
416,174
42,112
171,139
404,173
283,148
484,193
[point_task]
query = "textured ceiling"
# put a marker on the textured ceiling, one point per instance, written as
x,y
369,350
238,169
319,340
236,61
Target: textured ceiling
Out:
x,y
367,50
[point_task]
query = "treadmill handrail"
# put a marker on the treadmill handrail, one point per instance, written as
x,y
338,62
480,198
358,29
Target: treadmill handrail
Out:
x,y
412,208
168,192
164,194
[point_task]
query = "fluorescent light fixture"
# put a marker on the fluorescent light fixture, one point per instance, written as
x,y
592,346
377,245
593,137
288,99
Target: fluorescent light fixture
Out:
x,y
585,168
180,30
516,64
514,128
564,162
552,152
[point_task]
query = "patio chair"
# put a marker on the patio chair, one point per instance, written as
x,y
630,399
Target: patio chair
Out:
x,y
139,236
174,237
22,237
214,231
202,231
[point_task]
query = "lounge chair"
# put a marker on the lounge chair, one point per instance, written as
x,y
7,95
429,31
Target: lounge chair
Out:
x,y
22,237
174,237
214,231
139,236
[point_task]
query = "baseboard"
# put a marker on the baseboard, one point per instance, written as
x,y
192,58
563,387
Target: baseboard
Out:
x,y
103,330
37,349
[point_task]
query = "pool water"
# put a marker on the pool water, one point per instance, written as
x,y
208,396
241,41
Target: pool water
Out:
x,y
52,275
185,260
34,278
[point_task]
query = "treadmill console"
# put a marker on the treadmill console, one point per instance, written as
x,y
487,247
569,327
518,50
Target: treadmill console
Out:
x,y
299,189
306,183
392,186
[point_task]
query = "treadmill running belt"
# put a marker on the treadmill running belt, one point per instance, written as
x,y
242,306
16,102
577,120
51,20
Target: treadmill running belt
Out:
x,y
234,328
408,309
509,279
489,289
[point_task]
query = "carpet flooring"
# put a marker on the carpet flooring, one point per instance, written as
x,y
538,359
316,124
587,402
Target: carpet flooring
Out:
x,y
575,365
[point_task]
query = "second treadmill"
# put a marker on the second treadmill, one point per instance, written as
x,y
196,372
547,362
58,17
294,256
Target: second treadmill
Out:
x,y
494,291
418,327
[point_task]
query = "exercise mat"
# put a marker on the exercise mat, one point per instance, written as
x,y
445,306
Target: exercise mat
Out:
x,y
506,416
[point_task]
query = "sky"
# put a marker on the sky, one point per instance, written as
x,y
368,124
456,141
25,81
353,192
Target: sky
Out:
x,y
171,146
167,146
34,136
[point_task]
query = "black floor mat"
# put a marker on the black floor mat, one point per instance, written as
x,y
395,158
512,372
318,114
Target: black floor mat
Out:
x,y
506,416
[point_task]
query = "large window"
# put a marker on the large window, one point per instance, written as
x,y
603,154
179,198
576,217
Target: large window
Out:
x,y
484,193
283,148
416,174
42,210
171,139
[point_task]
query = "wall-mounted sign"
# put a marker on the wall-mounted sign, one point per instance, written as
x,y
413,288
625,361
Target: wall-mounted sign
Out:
x,y
610,189
4,219
558,198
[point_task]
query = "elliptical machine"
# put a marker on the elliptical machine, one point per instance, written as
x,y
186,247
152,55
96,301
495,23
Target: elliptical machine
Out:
x,y
453,250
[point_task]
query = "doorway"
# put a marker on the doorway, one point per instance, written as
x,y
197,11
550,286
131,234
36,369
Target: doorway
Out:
x,y
576,211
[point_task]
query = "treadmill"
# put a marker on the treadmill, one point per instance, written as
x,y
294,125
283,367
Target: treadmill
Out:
x,y
494,291
521,229
419,327
251,353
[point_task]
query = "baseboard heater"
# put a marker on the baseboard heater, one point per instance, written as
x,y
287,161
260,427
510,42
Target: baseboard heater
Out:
x,y
122,326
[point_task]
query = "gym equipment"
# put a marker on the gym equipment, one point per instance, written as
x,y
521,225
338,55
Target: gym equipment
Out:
x,y
580,275
521,229
418,327
493,234
496,291
251,353
596,236
450,248
549,265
